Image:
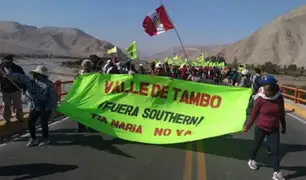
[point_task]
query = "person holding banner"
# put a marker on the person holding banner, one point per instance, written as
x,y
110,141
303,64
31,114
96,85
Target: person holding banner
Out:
x,y
86,67
269,111
42,98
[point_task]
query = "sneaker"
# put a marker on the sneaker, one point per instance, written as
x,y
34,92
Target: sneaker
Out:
x,y
278,176
252,164
32,142
268,151
44,142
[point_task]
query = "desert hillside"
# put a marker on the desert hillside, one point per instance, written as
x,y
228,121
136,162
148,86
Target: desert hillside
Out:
x,y
282,41
23,39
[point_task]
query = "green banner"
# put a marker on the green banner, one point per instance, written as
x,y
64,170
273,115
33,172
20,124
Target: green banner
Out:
x,y
155,110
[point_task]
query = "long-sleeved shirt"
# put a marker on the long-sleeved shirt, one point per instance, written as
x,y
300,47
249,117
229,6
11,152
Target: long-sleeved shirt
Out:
x,y
268,113
41,94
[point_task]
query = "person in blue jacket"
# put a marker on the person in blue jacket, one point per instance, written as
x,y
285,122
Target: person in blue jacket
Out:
x,y
42,99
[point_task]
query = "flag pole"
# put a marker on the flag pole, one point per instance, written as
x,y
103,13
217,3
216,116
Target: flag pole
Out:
x,y
137,59
117,54
177,34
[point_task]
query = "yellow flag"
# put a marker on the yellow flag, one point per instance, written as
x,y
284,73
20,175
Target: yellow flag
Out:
x,y
132,50
200,58
113,50
176,58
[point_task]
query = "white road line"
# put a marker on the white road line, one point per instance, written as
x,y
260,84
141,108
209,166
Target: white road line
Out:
x,y
57,121
297,118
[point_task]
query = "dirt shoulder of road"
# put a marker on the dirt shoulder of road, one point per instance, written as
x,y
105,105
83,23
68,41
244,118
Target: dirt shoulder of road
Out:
x,y
300,110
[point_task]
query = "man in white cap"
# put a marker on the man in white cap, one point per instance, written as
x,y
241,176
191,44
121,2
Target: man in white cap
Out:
x,y
42,99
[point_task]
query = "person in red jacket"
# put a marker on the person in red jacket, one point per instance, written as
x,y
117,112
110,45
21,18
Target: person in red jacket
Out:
x,y
269,114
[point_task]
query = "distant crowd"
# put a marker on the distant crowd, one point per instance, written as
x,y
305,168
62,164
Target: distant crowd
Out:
x,y
237,77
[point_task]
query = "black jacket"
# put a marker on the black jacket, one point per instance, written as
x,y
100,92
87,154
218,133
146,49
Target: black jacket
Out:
x,y
6,84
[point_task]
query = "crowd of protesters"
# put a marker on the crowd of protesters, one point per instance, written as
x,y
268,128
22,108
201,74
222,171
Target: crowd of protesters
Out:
x,y
266,103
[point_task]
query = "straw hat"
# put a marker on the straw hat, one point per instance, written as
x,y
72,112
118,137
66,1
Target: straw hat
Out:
x,y
43,70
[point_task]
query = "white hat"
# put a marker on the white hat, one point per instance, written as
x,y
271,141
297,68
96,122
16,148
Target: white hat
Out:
x,y
86,62
245,72
140,64
43,70
158,65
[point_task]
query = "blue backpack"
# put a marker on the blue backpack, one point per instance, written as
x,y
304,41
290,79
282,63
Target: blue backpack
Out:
x,y
254,82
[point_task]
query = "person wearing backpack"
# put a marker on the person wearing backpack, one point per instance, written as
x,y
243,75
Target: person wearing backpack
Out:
x,y
254,84
254,80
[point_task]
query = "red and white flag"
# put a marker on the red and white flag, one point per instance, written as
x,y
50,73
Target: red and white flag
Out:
x,y
157,22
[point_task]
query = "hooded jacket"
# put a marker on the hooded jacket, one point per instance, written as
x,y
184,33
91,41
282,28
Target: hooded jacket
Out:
x,y
269,112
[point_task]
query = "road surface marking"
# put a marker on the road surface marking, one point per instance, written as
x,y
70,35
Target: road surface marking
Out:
x,y
57,121
201,161
188,162
297,118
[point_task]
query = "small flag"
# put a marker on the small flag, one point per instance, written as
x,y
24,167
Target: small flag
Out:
x,y
157,22
132,50
200,58
113,50
176,58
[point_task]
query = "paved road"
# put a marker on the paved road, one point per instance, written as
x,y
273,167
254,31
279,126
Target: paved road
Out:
x,y
92,156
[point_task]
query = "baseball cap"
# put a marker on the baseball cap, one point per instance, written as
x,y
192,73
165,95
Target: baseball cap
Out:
x,y
269,79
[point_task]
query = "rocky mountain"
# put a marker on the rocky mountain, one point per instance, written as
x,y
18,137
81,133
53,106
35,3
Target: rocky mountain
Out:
x,y
192,51
282,42
17,38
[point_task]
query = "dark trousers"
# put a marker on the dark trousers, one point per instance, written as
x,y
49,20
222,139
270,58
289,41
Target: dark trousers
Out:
x,y
274,141
44,119
234,82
